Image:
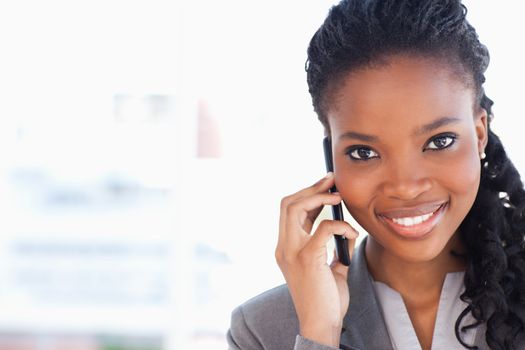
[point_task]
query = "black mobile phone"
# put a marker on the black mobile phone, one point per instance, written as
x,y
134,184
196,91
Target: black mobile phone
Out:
x,y
341,242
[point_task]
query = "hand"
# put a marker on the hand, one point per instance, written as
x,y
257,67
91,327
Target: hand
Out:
x,y
319,291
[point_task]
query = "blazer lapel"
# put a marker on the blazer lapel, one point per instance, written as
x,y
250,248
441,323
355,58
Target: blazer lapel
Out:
x,y
364,327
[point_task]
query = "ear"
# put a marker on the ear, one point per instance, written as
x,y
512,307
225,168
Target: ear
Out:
x,y
482,130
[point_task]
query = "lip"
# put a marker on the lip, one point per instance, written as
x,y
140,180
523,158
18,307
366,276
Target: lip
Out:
x,y
419,230
419,210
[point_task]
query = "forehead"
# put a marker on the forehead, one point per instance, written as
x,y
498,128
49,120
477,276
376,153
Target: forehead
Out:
x,y
402,91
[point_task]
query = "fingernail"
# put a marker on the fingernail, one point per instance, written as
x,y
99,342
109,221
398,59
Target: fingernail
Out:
x,y
329,175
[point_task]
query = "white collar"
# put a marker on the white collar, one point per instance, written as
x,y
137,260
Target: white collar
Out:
x,y
399,326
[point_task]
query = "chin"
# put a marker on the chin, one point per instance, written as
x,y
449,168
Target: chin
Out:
x,y
417,253
418,257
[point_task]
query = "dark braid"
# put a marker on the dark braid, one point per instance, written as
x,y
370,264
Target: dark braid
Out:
x,y
364,33
493,232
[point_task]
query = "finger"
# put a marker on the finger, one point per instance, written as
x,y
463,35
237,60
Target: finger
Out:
x,y
308,206
302,213
325,232
308,223
351,245
329,177
300,220
320,186
336,265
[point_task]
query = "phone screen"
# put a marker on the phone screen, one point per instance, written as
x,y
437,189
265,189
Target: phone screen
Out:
x,y
341,242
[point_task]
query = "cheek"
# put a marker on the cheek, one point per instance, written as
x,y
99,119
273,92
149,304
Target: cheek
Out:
x,y
356,189
465,175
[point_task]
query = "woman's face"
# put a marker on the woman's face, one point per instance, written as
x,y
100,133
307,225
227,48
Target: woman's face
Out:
x,y
407,140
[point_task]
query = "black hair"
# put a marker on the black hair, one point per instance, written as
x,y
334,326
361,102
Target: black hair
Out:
x,y
364,33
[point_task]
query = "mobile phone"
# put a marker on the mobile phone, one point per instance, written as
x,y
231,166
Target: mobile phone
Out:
x,y
341,242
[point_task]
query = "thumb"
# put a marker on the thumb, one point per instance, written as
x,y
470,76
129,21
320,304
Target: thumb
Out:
x,y
337,267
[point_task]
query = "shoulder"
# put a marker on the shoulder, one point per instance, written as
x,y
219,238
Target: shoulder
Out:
x,y
267,321
269,305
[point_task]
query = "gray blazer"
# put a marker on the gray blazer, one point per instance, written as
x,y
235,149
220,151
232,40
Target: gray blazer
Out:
x,y
269,321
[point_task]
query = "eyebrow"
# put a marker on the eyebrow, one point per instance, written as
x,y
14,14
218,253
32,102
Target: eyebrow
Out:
x,y
419,131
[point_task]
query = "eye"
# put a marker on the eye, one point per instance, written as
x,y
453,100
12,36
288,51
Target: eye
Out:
x,y
441,142
361,153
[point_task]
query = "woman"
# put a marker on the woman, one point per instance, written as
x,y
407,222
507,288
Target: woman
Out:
x,y
398,87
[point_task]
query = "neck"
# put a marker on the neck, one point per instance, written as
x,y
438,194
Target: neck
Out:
x,y
419,282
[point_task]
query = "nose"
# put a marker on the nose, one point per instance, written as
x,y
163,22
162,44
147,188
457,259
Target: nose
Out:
x,y
406,180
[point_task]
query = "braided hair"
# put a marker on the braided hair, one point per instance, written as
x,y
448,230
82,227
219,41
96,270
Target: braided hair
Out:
x,y
361,33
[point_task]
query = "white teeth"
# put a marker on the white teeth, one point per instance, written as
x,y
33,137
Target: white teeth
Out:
x,y
412,221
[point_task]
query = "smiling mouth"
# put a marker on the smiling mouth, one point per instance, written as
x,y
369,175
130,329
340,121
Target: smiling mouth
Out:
x,y
415,220
416,226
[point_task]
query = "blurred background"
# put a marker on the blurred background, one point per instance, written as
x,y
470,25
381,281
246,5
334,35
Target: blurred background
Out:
x,y
144,148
